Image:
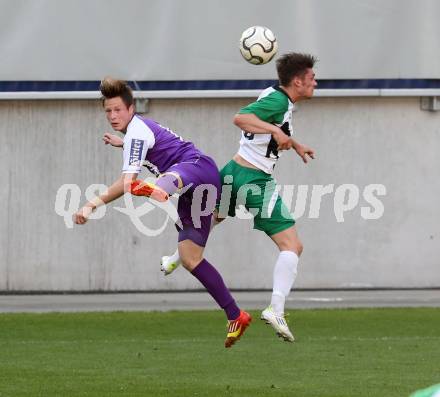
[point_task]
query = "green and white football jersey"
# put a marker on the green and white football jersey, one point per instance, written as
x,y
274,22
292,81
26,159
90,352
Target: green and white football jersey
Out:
x,y
273,106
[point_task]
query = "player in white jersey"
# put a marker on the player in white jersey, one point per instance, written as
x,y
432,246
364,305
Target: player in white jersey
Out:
x,y
261,150
266,126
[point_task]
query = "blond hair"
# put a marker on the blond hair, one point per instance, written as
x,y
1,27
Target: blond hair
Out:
x,y
112,88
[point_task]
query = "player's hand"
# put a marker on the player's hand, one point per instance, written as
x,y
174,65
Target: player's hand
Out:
x,y
283,140
304,152
113,140
82,215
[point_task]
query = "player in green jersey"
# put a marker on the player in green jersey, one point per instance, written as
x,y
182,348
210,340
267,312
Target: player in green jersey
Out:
x,y
266,126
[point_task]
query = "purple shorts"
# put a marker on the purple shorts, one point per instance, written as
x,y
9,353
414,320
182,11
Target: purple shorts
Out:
x,y
201,190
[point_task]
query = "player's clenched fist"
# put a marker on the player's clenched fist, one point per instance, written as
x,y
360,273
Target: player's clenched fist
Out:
x,y
82,215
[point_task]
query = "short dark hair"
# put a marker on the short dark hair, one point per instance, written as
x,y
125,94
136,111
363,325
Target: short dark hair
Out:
x,y
112,88
292,65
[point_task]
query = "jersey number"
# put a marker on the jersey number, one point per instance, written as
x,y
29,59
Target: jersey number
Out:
x,y
248,135
272,148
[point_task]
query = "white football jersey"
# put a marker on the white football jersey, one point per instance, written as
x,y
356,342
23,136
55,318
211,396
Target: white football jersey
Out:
x,y
261,150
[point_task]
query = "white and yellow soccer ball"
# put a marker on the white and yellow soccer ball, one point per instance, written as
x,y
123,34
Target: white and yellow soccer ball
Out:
x,y
258,45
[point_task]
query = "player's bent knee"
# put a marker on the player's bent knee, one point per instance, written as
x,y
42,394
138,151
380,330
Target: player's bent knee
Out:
x,y
190,262
294,245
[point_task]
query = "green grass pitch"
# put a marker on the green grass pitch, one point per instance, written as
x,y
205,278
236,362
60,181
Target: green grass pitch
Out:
x,y
338,353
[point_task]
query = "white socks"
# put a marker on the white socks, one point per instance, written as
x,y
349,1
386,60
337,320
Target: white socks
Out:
x,y
175,258
284,274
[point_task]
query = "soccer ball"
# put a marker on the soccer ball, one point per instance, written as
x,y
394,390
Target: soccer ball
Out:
x,y
258,45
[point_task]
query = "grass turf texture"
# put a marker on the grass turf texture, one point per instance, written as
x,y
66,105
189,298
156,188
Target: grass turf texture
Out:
x,y
338,353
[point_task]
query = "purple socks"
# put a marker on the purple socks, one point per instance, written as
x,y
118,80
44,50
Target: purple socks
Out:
x,y
214,284
169,183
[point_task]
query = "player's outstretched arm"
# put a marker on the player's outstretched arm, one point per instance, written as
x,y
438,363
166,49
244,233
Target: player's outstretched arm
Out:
x,y
113,140
116,190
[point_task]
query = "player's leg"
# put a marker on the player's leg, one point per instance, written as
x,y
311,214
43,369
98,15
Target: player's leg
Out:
x,y
166,185
275,220
286,266
284,275
193,235
191,254
170,263
226,204
170,182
